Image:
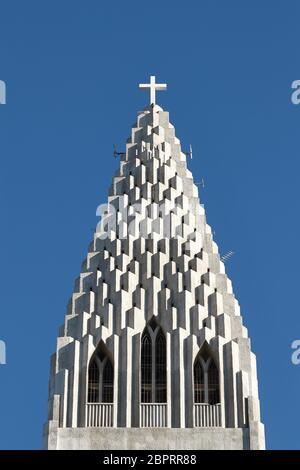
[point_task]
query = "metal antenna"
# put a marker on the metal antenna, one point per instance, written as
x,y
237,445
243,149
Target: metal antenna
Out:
x,y
116,153
201,183
227,256
190,152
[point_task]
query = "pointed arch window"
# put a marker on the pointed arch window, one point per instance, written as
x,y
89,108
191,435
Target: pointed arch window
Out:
x,y
100,378
206,379
199,394
153,365
108,381
213,391
93,389
160,368
146,363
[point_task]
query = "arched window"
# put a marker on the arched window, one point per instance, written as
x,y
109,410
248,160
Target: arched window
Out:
x,y
93,390
199,395
160,368
153,365
206,378
146,362
100,378
107,383
213,383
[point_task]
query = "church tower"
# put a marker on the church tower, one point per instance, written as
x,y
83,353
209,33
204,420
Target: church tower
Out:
x,y
153,353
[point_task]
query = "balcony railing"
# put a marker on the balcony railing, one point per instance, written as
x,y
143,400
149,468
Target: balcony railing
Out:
x,y
153,415
207,416
99,415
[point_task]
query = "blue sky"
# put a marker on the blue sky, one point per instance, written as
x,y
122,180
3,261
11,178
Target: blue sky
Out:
x,y
72,70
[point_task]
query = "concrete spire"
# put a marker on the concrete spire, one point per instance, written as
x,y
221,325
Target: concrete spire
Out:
x,y
153,256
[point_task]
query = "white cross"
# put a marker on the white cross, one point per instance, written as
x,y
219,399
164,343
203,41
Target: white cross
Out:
x,y
153,88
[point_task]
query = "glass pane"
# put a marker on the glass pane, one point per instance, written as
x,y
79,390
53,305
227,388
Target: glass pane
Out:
x,y
199,394
213,384
93,384
146,369
160,369
107,382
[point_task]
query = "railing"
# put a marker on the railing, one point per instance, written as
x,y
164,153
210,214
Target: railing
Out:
x,y
153,415
99,415
207,416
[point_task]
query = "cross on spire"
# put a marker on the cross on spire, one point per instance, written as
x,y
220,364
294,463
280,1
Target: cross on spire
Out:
x,y
153,88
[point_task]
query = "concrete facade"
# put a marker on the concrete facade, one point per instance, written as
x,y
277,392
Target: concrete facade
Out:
x,y
154,439
153,256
